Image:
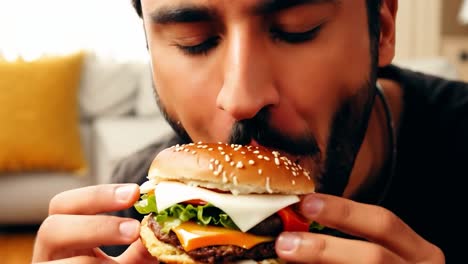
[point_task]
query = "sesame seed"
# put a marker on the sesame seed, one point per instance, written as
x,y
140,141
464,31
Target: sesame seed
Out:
x,y
211,166
294,173
260,156
223,153
194,152
232,163
186,150
224,177
260,171
220,148
216,162
277,161
216,173
256,152
275,153
227,158
234,180
210,149
239,165
251,162
243,152
212,160
266,158
267,185
199,142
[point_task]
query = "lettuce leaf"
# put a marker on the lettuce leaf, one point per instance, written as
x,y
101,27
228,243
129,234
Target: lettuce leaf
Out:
x,y
175,215
146,204
315,227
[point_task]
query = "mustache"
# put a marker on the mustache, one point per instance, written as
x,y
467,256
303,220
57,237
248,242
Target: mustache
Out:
x,y
259,129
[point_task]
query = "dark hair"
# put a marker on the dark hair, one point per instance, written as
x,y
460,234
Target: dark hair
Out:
x,y
373,13
137,5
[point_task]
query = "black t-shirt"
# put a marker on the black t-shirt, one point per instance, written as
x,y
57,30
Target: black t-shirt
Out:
x,y
427,190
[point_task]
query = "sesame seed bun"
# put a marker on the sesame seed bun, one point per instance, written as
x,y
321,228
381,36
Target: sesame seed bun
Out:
x,y
169,254
235,168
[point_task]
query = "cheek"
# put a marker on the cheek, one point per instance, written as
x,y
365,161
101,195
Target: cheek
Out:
x,y
321,75
187,88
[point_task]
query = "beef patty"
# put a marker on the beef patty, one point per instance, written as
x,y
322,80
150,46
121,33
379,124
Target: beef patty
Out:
x,y
226,253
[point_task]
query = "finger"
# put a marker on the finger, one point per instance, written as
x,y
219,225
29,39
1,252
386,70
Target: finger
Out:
x,y
95,199
80,260
315,248
60,234
136,253
371,222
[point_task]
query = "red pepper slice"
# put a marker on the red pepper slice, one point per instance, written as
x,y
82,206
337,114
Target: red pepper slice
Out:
x,y
195,202
293,221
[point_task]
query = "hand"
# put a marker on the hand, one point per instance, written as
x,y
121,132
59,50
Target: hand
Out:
x,y
388,238
73,231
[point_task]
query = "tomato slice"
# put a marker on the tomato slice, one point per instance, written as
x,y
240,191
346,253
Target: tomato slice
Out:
x,y
292,221
195,202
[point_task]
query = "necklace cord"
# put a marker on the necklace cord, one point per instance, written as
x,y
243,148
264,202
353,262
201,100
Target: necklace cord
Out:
x,y
390,124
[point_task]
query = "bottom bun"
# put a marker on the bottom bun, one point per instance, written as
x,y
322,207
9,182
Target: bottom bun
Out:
x,y
167,253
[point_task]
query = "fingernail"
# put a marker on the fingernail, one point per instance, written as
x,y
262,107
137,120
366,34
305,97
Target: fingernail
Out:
x,y
311,206
129,228
288,242
124,193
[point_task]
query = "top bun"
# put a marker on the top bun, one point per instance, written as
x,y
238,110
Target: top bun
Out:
x,y
235,168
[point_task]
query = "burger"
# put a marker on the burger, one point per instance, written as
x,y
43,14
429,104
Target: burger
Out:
x,y
220,203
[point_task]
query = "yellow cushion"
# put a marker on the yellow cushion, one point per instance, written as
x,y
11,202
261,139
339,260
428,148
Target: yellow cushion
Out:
x,y
39,119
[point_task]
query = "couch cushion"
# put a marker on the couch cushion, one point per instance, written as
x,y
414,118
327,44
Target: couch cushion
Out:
x,y
28,196
108,86
116,138
145,103
38,115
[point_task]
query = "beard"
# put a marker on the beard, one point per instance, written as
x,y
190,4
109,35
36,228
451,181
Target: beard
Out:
x,y
335,163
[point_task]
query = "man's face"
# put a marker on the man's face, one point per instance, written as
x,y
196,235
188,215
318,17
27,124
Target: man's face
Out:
x,y
291,75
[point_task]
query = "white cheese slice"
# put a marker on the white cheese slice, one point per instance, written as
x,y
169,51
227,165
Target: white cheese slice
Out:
x,y
246,211
147,186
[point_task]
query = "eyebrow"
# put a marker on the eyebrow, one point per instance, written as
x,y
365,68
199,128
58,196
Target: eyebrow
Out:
x,y
183,14
273,6
199,13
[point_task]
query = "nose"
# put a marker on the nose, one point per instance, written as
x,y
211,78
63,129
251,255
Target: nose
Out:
x,y
248,83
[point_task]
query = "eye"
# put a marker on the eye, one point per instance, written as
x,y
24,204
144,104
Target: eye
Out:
x,y
201,48
295,37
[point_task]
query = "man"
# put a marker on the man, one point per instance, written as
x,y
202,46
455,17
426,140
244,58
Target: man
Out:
x,y
312,78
